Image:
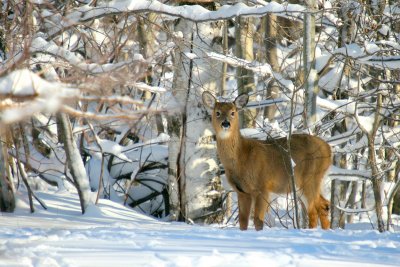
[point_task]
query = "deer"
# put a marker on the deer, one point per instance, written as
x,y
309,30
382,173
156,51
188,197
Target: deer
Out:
x,y
256,168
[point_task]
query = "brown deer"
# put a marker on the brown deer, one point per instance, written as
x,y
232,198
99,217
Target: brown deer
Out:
x,y
255,168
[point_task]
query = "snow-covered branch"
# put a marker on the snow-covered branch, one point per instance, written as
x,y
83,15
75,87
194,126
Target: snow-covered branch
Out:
x,y
348,175
193,13
133,115
366,54
39,94
40,45
261,69
348,210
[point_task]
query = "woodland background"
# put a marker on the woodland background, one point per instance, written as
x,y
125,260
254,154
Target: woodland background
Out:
x,y
105,97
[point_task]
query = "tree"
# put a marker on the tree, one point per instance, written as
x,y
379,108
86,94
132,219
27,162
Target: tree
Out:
x,y
310,74
193,170
7,198
98,66
271,49
244,35
74,161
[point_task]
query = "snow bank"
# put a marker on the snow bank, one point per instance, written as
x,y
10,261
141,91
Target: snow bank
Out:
x,y
112,235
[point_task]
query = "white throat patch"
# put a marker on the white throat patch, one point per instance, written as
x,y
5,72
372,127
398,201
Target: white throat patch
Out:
x,y
224,134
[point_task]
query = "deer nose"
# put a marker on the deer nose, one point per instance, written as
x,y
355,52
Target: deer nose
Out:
x,y
225,124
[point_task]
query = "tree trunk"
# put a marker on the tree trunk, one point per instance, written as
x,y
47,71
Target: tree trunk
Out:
x,y
225,47
222,92
74,160
244,33
376,177
146,42
338,189
176,122
271,42
351,202
310,74
376,184
7,198
195,187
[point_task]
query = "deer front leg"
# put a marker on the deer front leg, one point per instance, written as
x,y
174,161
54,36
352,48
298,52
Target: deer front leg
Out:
x,y
260,208
244,202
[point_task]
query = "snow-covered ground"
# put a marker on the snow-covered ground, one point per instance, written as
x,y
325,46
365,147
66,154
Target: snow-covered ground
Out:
x,y
113,235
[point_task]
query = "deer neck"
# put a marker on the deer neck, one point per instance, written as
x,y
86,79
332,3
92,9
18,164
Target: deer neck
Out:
x,y
229,147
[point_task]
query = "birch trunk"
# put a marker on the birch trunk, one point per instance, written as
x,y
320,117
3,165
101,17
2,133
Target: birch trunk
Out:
x,y
194,184
74,160
310,74
176,178
225,47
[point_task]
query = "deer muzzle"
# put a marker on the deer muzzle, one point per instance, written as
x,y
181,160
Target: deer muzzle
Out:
x,y
225,125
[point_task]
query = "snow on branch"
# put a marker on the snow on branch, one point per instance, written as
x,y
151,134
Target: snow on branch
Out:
x,y
149,88
123,115
256,67
346,106
261,69
193,13
344,138
40,45
367,54
348,210
23,93
337,173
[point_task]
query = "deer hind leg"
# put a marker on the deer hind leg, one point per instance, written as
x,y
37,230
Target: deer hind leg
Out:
x,y
323,212
244,202
311,192
312,215
260,208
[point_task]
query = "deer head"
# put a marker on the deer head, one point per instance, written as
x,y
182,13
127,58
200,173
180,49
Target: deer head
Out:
x,y
225,119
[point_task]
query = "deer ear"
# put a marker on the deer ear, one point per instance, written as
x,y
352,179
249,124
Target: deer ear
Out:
x,y
209,100
241,101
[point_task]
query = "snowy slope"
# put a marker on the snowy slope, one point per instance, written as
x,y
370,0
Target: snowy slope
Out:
x,y
112,235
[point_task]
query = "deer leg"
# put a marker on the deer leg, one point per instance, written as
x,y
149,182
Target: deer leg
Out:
x,y
323,212
260,208
312,216
244,201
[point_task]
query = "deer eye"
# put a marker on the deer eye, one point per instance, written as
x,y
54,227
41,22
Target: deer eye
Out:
x,y
233,113
217,113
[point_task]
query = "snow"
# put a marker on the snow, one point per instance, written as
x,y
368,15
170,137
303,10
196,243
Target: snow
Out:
x,y
364,55
110,234
25,83
40,94
258,68
194,13
40,45
153,89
